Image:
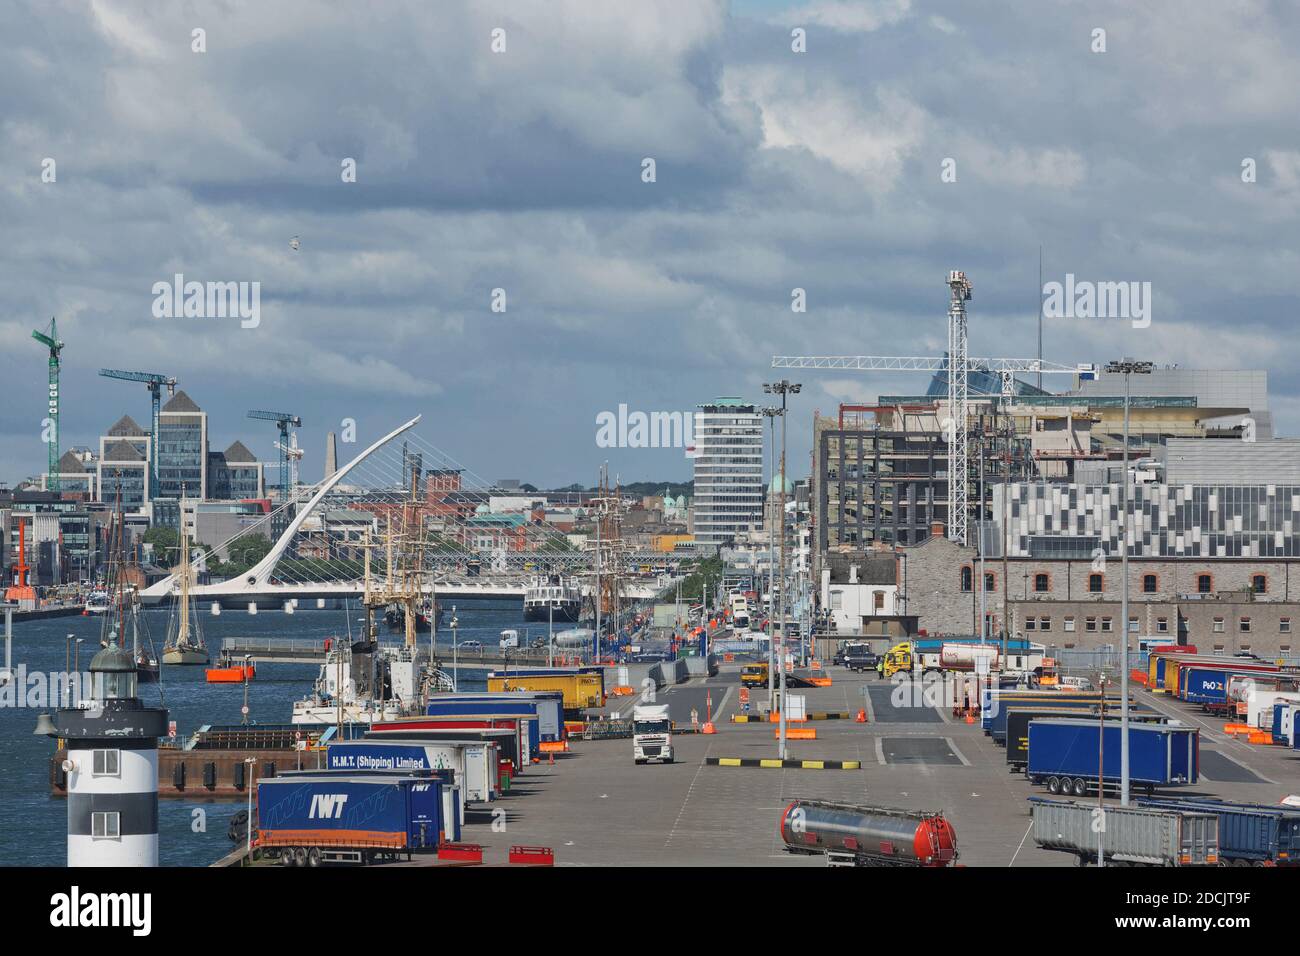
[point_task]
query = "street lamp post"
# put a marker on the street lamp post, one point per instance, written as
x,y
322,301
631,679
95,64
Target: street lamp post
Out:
x,y
1126,367
771,413
455,652
784,388
248,823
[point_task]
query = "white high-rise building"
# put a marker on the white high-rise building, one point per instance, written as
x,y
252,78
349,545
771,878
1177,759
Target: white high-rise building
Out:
x,y
728,500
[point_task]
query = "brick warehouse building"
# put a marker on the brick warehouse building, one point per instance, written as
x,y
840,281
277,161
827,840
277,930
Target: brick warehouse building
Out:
x,y
1219,604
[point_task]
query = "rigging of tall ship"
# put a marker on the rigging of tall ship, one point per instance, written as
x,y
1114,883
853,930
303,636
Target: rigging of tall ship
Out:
x,y
185,643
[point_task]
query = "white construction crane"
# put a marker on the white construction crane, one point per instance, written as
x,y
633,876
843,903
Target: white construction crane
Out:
x,y
957,365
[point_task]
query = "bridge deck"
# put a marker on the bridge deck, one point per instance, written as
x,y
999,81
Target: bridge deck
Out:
x,y
264,650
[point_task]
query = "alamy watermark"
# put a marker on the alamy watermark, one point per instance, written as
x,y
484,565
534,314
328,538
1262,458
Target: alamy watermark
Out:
x,y
1098,300
208,300
637,429
41,689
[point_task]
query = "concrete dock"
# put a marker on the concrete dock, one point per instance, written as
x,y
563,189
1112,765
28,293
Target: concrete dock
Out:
x,y
594,806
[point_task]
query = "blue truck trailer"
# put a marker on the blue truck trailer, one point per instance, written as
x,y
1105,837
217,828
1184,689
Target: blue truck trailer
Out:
x,y
523,711
1283,729
995,700
1016,739
997,719
547,705
1250,834
1069,755
307,818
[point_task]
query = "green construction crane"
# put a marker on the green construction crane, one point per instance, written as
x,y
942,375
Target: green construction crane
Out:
x,y
284,421
154,382
51,341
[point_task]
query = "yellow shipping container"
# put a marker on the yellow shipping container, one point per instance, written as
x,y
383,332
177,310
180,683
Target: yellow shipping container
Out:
x,y
580,690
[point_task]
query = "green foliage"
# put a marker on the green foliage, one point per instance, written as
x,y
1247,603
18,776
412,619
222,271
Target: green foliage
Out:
x,y
165,541
702,577
244,553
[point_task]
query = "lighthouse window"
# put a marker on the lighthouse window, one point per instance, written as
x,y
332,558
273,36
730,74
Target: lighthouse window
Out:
x,y
106,825
104,763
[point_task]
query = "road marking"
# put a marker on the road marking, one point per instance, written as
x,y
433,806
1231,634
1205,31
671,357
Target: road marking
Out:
x,y
717,714
880,751
956,752
685,800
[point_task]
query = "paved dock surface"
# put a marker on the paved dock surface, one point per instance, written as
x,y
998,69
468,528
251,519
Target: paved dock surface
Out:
x,y
595,806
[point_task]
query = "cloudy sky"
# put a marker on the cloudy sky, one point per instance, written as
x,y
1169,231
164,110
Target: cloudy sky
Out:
x,y
521,170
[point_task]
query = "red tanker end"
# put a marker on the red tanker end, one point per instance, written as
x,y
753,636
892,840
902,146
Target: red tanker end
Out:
x,y
869,835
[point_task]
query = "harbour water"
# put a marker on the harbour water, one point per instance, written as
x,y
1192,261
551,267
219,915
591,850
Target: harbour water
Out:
x,y
33,825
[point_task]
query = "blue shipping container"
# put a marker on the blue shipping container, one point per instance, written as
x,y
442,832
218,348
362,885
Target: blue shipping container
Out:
x,y
1159,754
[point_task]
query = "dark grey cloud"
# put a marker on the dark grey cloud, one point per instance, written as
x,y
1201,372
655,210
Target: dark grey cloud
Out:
x,y
522,171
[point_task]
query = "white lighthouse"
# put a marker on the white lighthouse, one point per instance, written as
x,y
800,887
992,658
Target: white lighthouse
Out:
x,y
112,767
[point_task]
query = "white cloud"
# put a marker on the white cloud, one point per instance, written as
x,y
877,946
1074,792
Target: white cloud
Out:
x,y
851,16
868,141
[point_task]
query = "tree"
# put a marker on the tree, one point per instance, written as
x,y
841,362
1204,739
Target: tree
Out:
x,y
166,543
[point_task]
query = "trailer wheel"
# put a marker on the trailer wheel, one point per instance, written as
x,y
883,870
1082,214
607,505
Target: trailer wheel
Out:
x,y
286,856
1081,859
299,856
313,857
1080,787
1053,785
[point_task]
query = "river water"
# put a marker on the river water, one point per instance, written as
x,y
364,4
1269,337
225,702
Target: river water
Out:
x,y
33,825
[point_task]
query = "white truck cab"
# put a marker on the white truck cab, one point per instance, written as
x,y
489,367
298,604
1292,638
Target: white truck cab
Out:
x,y
652,733
509,638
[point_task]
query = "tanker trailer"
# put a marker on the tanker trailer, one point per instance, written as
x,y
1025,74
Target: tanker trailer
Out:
x,y
868,836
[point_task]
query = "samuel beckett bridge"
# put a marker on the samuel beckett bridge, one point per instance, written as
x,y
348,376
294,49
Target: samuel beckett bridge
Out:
x,y
404,509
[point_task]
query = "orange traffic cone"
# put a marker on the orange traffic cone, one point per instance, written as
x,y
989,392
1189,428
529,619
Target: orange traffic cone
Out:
x,y
708,728
862,716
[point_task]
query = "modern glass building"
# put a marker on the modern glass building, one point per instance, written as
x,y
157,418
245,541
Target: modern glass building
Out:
x,y
182,449
123,466
728,471
234,474
1185,520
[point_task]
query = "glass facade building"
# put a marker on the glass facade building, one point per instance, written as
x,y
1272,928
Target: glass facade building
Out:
x,y
728,499
1206,521
182,449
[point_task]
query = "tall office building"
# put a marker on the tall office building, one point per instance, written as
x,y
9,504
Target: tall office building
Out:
x,y
182,449
728,471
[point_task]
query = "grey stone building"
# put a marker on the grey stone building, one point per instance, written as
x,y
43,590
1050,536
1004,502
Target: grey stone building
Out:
x,y
1216,603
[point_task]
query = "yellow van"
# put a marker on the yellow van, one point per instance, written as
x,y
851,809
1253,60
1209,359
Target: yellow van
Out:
x,y
754,675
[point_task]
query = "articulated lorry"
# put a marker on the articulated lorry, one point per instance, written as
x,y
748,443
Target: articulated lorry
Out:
x,y
966,655
652,733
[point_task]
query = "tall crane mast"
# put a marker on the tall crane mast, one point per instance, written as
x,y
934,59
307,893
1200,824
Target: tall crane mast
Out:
x,y
957,365
50,339
958,406
284,421
154,383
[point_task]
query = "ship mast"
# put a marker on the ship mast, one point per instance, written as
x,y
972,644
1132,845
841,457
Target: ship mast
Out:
x,y
183,631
